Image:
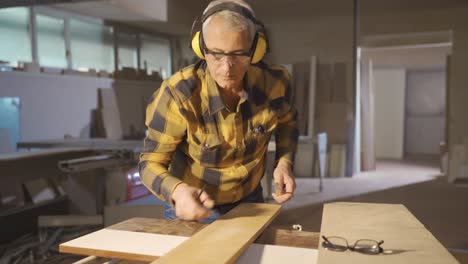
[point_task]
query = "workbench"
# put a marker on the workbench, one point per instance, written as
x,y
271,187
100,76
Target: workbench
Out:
x,y
271,236
406,239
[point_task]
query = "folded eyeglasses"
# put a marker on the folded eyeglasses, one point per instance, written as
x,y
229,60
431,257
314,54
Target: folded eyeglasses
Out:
x,y
365,246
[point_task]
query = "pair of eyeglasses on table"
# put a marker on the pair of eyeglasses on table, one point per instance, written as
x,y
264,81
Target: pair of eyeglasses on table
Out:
x,y
364,246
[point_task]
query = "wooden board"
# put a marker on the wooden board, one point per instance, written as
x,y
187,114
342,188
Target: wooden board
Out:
x,y
140,246
406,240
229,236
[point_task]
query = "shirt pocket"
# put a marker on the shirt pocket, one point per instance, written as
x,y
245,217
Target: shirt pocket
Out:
x,y
206,149
261,127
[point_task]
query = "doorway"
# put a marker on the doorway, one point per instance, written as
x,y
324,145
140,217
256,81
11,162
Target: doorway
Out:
x,y
402,100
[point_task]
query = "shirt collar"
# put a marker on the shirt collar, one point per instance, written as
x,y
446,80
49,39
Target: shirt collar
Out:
x,y
211,92
214,100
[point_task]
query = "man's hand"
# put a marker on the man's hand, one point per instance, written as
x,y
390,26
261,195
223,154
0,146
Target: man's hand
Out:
x,y
187,204
284,180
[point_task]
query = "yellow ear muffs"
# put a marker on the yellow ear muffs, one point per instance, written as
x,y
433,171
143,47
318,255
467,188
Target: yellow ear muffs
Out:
x,y
260,48
196,45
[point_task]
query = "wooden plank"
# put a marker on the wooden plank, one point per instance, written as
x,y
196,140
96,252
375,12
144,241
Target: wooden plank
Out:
x,y
406,240
111,243
236,230
271,235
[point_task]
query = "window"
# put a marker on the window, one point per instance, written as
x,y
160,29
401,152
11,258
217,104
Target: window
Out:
x,y
78,42
127,49
51,41
91,46
156,55
15,39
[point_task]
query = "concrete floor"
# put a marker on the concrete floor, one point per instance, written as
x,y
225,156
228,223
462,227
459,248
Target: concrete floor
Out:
x,y
440,206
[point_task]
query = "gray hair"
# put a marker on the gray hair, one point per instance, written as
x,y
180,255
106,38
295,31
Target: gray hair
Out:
x,y
234,21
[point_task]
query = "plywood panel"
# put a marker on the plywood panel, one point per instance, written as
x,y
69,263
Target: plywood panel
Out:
x,y
406,240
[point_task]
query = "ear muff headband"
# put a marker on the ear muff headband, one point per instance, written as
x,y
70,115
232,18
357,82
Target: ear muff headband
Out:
x,y
259,45
260,48
197,46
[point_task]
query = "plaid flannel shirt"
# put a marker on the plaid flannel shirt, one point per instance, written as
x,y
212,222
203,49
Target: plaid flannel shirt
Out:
x,y
193,138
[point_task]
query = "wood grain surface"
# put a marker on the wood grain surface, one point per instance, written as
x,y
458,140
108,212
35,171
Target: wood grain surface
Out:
x,y
224,240
406,240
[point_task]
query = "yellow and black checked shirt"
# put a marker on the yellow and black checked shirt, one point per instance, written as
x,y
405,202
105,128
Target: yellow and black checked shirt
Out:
x,y
193,138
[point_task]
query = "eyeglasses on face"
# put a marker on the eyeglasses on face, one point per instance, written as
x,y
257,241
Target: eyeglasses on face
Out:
x,y
365,246
241,56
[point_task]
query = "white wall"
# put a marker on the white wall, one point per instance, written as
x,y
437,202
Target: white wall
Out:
x,y
389,91
453,17
52,105
425,111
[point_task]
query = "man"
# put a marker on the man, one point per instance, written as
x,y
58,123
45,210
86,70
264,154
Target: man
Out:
x,y
209,124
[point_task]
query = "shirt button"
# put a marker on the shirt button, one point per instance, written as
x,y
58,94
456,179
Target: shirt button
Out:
x,y
207,145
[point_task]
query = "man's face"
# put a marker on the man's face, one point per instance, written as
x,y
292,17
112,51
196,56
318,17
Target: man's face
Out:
x,y
227,70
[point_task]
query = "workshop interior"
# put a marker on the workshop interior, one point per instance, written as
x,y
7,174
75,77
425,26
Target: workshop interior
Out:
x,y
381,167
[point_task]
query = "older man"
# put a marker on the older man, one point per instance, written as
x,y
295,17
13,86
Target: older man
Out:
x,y
210,123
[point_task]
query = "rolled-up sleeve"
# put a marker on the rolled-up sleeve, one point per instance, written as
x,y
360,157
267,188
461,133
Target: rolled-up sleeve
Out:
x,y
166,129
